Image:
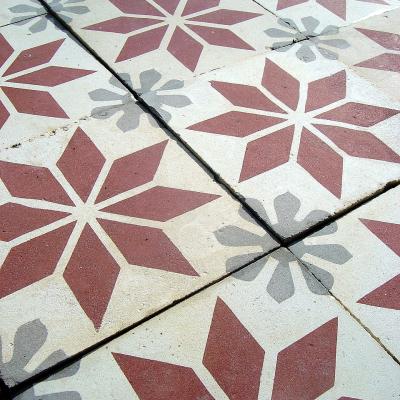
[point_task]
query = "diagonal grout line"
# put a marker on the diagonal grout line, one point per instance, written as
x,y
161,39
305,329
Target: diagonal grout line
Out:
x,y
358,320
43,375
340,214
19,388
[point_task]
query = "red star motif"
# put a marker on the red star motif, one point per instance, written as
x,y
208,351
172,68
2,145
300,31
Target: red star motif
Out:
x,y
29,101
182,25
279,100
97,211
388,61
304,370
337,7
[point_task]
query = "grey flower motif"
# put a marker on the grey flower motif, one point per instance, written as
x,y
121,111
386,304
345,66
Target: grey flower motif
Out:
x,y
281,285
308,38
61,7
154,96
28,341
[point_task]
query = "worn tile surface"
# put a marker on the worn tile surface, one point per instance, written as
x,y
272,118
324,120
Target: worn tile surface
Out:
x,y
181,39
39,72
329,12
21,11
359,259
299,143
101,228
374,51
241,344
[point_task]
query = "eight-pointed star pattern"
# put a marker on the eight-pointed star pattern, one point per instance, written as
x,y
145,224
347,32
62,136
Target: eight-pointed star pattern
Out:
x,y
283,98
179,25
23,76
337,7
99,187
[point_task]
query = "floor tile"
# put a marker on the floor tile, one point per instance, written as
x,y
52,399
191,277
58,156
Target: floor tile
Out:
x,y
374,51
21,12
359,259
242,344
100,229
328,12
299,143
46,78
179,38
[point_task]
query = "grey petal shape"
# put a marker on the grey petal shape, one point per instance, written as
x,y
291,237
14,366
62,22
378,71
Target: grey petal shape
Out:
x,y
328,54
279,33
104,112
125,77
316,216
79,10
148,79
313,283
61,396
104,95
25,20
40,25
66,372
330,30
258,207
305,54
235,236
238,261
53,359
130,117
326,230
25,9
174,100
281,286
250,272
286,207
334,253
164,114
65,18
172,84
337,43
288,23
310,24
282,46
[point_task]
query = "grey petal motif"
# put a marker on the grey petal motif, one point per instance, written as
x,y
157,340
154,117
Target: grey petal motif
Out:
x,y
281,286
308,38
131,111
28,341
61,7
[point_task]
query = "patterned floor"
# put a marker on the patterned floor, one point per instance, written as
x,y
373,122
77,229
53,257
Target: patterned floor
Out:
x,y
199,199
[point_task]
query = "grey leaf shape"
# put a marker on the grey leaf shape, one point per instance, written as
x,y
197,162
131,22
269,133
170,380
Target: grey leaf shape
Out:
x,y
281,286
130,117
235,236
40,25
164,114
66,372
79,10
286,207
250,272
25,8
334,253
175,100
337,43
104,95
148,79
279,33
104,112
310,24
312,283
172,84
305,54
258,207
330,30
288,23
316,216
328,54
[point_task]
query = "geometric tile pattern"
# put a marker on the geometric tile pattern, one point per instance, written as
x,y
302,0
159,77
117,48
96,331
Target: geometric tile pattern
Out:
x,y
239,353
309,125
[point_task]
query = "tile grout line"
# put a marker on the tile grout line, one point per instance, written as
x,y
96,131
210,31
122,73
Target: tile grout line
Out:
x,y
23,20
283,243
358,320
45,374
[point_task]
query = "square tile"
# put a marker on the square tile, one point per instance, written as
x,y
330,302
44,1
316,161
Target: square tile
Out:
x,y
182,38
298,143
21,12
374,51
358,258
329,12
242,344
46,78
101,229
